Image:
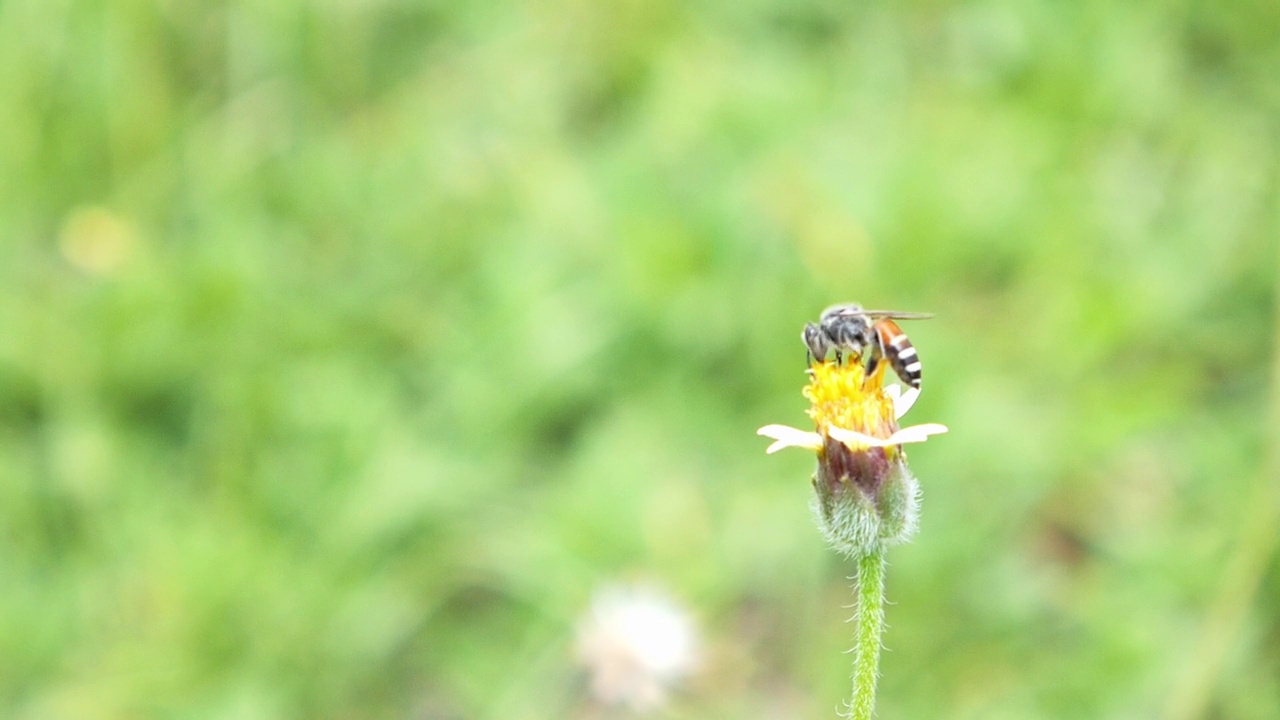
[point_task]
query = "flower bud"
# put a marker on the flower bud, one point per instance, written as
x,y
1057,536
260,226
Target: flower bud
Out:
x,y
864,499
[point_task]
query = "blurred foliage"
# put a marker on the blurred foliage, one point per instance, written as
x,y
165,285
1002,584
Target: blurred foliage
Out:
x,y
347,347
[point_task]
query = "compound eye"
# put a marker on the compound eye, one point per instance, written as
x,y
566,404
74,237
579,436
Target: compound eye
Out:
x,y
815,340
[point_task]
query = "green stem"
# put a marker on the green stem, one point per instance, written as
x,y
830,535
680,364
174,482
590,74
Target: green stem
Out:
x,y
870,624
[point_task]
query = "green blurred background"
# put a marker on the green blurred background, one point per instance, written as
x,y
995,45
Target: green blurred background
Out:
x,y
348,348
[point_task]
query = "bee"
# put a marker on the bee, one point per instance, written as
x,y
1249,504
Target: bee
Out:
x,y
850,329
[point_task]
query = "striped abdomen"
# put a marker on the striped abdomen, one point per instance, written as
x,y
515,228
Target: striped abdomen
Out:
x,y
899,351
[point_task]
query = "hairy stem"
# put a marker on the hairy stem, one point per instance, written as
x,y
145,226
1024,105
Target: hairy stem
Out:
x,y
870,623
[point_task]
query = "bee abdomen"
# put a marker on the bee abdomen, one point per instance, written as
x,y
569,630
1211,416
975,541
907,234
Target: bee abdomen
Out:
x,y
900,353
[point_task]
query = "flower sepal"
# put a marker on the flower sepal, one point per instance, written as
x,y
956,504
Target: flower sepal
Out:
x,y
875,507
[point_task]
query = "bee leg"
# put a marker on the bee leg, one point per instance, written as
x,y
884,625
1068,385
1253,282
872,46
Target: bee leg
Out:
x,y
839,357
873,364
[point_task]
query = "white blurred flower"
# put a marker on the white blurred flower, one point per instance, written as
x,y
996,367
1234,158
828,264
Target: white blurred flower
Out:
x,y
636,643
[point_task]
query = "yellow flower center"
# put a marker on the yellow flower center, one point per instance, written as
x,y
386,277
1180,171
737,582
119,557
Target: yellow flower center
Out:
x,y
845,396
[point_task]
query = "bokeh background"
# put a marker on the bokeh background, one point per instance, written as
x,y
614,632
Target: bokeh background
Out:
x,y
348,349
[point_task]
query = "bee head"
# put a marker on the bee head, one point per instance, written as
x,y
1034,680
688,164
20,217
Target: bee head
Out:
x,y
816,340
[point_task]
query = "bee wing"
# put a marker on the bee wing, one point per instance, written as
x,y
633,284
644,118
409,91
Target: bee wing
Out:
x,y
897,315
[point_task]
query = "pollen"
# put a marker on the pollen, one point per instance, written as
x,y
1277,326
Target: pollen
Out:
x,y
843,395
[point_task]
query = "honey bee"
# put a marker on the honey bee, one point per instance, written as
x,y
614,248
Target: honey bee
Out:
x,y
850,329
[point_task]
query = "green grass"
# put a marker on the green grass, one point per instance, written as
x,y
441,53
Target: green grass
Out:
x,y
347,348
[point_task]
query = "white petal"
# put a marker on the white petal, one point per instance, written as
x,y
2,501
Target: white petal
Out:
x,y
857,441
789,437
917,433
902,402
895,394
914,434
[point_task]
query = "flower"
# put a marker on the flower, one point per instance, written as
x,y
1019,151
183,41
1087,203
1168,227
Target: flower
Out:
x,y
854,408
865,492
636,643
